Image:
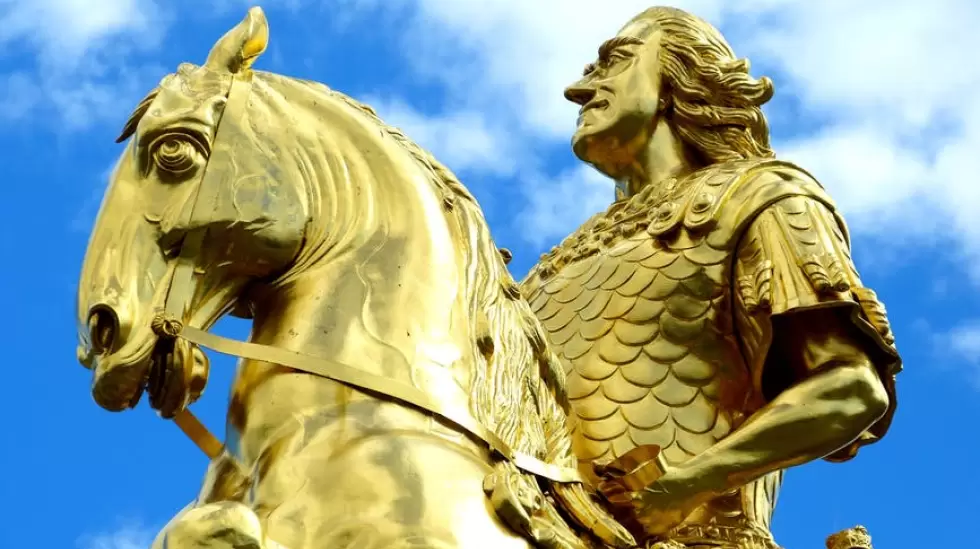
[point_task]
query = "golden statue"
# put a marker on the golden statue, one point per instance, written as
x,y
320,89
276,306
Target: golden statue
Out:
x,y
397,390
711,323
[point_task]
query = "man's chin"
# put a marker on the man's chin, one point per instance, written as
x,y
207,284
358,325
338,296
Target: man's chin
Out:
x,y
588,147
582,143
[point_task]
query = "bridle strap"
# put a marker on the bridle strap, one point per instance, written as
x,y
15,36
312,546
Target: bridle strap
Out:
x,y
208,192
199,434
208,195
360,379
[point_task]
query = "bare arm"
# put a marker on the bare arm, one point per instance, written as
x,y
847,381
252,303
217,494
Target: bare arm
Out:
x,y
821,357
839,397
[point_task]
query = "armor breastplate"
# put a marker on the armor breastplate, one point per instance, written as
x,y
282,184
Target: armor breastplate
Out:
x,y
639,307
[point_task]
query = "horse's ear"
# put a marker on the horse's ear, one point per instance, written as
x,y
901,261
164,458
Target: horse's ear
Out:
x,y
242,45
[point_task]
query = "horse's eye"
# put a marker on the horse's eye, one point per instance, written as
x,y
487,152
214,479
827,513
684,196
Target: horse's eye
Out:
x,y
175,155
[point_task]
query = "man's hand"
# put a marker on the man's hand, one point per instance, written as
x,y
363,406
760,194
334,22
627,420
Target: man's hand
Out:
x,y
657,508
646,496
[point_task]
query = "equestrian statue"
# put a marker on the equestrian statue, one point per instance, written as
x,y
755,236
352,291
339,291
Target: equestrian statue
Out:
x,y
644,386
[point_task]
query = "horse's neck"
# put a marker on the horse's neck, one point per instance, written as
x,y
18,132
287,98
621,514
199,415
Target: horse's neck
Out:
x,y
391,301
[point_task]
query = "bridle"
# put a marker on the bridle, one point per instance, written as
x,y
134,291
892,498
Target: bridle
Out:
x,y
168,326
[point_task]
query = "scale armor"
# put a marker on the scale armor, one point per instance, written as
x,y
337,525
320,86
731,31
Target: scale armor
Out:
x,y
661,308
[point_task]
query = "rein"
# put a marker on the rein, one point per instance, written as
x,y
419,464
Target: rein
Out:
x,y
167,326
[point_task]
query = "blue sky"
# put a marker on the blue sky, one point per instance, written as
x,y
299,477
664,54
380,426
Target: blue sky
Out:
x,y
879,101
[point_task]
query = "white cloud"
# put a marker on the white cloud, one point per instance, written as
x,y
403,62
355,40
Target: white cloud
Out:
x,y
18,95
466,140
900,63
79,57
963,343
848,153
575,194
64,31
966,341
128,537
513,57
893,82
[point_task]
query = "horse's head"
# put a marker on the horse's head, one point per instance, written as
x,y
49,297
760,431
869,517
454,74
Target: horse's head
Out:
x,y
198,207
239,190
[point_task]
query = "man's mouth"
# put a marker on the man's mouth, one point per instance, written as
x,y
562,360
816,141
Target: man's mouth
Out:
x,y
592,105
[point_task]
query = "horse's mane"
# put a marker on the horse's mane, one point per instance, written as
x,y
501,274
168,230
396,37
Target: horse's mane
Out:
x,y
510,340
518,385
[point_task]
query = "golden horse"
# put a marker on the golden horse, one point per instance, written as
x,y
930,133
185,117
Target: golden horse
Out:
x,y
396,390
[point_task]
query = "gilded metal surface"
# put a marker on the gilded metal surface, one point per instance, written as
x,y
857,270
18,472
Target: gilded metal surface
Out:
x,y
677,352
434,416
711,323
852,538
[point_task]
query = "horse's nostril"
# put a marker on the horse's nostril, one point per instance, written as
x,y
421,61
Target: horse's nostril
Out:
x,y
103,328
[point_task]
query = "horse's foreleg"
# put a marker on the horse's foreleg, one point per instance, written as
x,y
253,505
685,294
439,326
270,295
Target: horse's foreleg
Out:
x,y
218,519
221,525
224,481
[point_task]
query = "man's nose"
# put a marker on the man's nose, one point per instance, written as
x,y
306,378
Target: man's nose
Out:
x,y
579,93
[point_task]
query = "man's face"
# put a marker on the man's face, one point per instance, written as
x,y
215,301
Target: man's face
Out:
x,y
619,95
